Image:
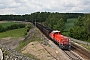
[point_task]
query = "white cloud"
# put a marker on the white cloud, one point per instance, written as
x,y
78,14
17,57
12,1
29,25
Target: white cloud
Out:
x,y
30,6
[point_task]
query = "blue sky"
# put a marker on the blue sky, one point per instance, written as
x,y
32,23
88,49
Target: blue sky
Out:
x,y
30,6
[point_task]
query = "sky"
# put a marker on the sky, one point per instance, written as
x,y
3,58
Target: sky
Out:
x,y
31,6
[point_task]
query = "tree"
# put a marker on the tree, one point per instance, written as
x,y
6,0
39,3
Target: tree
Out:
x,y
87,25
71,32
52,20
79,22
60,25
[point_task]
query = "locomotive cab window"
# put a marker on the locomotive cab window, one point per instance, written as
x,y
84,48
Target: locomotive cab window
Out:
x,y
56,33
59,32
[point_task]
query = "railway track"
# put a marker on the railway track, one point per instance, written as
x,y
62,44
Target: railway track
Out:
x,y
71,55
80,51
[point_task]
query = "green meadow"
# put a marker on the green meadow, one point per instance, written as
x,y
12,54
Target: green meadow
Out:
x,y
7,24
14,33
69,23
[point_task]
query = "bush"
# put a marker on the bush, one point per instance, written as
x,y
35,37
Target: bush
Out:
x,y
1,28
28,26
27,29
88,39
14,26
25,33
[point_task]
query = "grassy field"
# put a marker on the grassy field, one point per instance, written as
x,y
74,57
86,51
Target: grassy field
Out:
x,y
7,24
14,33
69,23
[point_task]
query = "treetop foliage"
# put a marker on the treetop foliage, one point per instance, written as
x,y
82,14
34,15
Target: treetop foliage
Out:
x,y
81,29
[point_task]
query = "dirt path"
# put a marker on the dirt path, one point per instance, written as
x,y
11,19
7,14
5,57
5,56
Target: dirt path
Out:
x,y
10,42
3,21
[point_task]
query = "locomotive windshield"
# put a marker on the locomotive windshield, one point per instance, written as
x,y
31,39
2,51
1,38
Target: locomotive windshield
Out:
x,y
56,32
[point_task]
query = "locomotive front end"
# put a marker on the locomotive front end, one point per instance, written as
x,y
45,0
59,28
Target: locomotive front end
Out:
x,y
66,43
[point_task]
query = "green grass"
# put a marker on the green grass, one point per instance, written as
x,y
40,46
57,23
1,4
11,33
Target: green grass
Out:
x,y
8,24
69,23
14,33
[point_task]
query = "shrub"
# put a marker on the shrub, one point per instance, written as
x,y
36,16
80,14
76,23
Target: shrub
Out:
x,y
14,26
1,28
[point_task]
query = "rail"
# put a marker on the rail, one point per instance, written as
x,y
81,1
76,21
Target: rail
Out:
x,y
81,51
71,55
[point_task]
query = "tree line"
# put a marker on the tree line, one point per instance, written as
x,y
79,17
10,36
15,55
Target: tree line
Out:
x,y
38,16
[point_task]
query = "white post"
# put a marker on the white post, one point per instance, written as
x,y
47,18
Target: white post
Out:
x,y
1,55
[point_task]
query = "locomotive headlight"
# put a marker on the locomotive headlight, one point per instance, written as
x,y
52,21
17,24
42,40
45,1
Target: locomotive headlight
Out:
x,y
69,39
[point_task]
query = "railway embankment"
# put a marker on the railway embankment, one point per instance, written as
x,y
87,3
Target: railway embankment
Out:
x,y
44,49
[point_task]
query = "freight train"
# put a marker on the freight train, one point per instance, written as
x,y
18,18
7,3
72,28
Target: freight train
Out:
x,y
56,36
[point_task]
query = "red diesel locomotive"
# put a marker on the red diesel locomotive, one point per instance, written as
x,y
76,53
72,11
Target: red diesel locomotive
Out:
x,y
63,41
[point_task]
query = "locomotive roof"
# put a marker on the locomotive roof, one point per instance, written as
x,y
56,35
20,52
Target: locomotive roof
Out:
x,y
55,31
